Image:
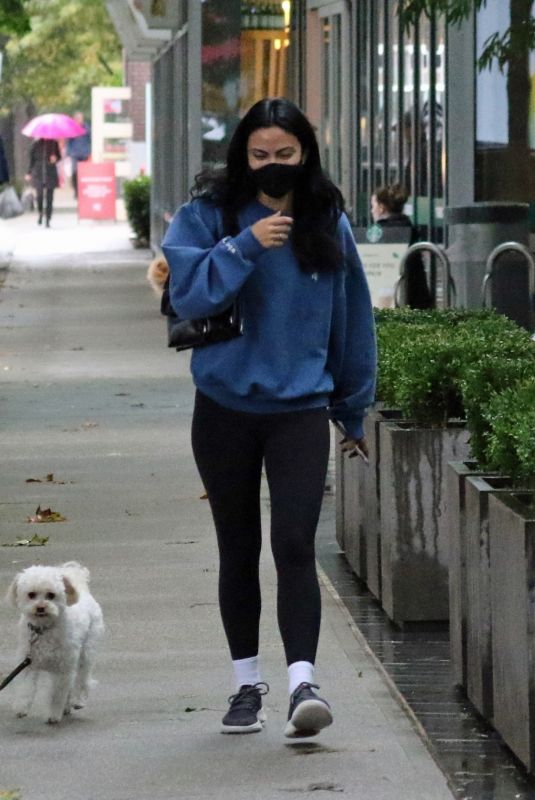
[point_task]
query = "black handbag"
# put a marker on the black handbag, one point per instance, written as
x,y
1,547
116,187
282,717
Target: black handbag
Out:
x,y
182,334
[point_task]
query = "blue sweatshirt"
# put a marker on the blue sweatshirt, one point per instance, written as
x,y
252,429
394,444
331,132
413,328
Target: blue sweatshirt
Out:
x,y
308,339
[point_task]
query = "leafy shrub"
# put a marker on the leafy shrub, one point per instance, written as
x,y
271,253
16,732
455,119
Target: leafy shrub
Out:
x,y
434,316
437,365
427,385
480,383
137,202
394,342
511,437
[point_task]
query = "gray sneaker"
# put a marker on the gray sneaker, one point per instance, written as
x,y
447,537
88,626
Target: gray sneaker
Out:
x,y
245,714
308,713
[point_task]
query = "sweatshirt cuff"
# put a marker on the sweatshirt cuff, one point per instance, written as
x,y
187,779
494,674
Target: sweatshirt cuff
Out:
x,y
248,245
354,427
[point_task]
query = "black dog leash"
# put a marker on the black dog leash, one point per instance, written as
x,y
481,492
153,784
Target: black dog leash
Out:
x,y
27,661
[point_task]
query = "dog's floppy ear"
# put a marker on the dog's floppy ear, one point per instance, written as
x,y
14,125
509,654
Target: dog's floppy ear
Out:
x,y
11,596
71,592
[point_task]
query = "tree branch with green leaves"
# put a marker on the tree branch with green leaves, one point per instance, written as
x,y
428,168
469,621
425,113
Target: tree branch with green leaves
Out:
x,y
70,46
502,48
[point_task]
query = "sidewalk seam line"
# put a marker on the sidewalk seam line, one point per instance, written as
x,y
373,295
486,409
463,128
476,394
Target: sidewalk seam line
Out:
x,y
392,688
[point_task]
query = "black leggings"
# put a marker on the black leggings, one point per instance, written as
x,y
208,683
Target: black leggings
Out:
x,y
45,193
229,448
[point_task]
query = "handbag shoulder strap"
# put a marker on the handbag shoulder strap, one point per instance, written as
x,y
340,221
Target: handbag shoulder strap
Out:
x,y
165,304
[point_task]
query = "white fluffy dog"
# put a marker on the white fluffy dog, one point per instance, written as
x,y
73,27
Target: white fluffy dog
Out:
x,y
59,629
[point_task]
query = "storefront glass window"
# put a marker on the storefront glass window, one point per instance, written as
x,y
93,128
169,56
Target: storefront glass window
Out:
x,y
379,99
331,96
401,88
364,189
244,58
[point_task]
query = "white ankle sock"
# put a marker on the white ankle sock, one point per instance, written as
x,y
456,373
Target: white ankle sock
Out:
x,y
246,671
300,672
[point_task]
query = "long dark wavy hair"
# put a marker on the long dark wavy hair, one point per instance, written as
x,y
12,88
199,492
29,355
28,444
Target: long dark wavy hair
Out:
x,y
317,202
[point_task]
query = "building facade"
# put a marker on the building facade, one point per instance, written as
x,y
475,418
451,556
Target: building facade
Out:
x,y
389,104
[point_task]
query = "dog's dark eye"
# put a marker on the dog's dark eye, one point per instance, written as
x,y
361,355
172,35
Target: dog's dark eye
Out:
x,y
50,595
32,595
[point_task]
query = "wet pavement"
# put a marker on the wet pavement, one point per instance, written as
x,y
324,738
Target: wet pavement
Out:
x,y
477,763
90,386
91,395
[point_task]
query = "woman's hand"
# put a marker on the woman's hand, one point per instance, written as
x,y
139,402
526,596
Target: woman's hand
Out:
x,y
356,447
272,231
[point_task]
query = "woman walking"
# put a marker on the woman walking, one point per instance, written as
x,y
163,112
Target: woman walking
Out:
x,y
269,231
43,173
387,205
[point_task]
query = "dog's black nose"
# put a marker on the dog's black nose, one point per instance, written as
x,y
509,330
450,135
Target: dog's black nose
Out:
x,y
40,610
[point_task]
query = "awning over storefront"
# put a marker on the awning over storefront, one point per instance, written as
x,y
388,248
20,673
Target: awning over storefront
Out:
x,y
142,32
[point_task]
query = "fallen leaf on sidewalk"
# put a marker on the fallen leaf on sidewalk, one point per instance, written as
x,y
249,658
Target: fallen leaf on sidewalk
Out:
x,y
184,541
14,794
46,515
35,541
203,496
48,479
87,425
188,709
195,605
315,787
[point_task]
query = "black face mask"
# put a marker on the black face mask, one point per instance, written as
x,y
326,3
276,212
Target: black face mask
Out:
x,y
276,180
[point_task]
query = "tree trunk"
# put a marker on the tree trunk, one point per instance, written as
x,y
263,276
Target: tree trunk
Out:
x,y
518,79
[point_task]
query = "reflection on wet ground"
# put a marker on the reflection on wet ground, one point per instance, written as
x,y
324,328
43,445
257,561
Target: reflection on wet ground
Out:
x,y
477,763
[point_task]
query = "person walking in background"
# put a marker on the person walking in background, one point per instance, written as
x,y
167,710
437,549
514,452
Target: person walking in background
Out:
x,y
78,149
269,230
387,211
43,174
4,169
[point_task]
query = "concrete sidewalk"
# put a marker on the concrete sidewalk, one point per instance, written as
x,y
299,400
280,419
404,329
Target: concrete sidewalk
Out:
x,y
91,394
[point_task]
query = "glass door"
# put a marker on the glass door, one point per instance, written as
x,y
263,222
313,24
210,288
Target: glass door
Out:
x,y
334,93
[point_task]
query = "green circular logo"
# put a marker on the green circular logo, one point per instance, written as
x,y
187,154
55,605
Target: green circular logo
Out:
x,y
374,234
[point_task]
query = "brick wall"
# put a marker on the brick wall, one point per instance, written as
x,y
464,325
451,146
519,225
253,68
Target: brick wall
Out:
x,y
137,74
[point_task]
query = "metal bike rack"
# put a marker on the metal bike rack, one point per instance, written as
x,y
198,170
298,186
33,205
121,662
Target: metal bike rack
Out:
x,y
491,261
447,281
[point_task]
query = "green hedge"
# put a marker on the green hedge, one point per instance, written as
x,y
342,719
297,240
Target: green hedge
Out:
x,y
511,436
137,203
438,365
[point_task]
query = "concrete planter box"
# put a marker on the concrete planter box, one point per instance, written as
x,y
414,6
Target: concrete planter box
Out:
x,y
370,499
353,538
415,540
458,472
357,503
512,567
339,470
478,640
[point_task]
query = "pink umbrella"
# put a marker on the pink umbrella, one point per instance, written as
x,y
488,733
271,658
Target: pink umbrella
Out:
x,y
53,126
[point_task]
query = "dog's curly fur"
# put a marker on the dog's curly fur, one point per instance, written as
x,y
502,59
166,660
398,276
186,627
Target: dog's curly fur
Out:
x,y
59,628
157,273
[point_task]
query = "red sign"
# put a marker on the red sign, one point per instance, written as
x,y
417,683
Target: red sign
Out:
x,y
96,190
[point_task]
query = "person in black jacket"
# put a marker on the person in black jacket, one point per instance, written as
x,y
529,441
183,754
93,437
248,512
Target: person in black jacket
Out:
x,y
387,211
43,174
4,170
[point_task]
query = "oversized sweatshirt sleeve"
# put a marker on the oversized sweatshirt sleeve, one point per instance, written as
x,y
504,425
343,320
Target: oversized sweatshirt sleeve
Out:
x,y
207,271
354,342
